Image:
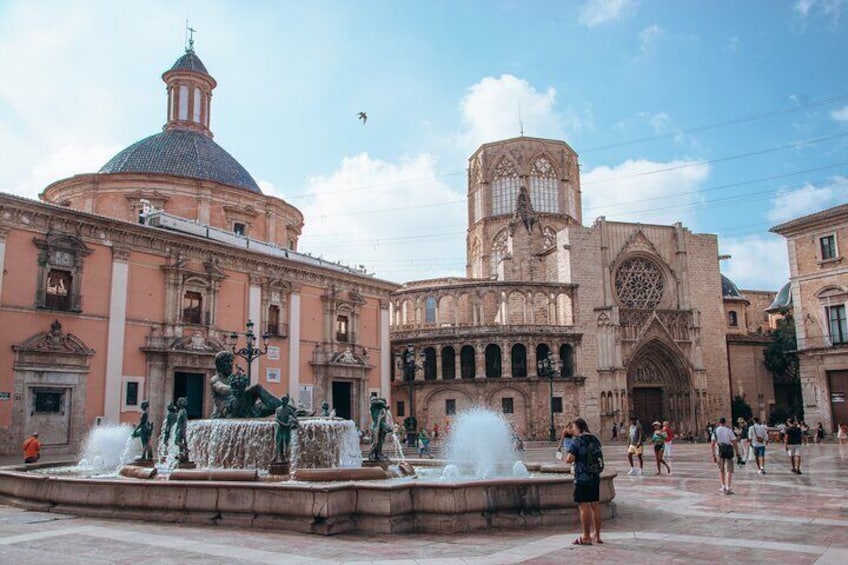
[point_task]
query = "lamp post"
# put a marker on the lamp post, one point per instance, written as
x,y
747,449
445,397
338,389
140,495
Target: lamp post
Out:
x,y
548,369
250,352
406,362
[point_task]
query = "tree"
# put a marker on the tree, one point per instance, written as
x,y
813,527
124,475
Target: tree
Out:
x,y
782,362
739,408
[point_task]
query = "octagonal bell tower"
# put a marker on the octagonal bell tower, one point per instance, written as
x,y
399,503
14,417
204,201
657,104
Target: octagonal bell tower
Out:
x,y
536,181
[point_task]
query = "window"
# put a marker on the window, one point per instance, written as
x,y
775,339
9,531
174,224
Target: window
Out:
x,y
131,394
566,358
273,319
192,307
238,228
519,361
827,247
556,404
504,187
48,401
341,328
448,363
430,310
58,289
401,409
450,406
837,324
429,364
506,405
467,364
493,361
732,319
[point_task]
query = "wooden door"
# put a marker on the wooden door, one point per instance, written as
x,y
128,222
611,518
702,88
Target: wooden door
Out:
x,y
838,382
648,406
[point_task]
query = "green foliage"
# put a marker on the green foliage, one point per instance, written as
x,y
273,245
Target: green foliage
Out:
x,y
739,408
780,358
779,414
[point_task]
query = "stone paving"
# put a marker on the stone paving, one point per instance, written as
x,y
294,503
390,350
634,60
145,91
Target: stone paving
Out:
x,y
682,518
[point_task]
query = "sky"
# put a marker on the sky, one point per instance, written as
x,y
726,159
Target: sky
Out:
x,y
730,117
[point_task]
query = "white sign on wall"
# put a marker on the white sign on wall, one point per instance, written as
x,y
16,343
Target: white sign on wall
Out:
x,y
273,353
304,397
272,375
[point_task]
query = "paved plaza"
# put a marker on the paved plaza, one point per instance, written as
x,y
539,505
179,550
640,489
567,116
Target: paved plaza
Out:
x,y
683,518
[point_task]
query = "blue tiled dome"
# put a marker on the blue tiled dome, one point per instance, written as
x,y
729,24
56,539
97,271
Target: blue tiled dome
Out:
x,y
782,300
729,288
182,153
190,62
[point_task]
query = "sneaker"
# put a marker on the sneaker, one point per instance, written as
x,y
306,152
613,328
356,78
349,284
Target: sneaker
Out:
x,y
723,489
632,471
798,472
729,491
639,472
761,472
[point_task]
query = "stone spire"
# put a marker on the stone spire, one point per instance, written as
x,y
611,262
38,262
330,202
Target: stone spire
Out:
x,y
189,93
523,213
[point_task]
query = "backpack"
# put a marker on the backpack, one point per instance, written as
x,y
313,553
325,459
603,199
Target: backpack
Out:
x,y
594,456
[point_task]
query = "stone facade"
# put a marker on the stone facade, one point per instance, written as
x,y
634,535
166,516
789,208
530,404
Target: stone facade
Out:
x,y
819,283
632,313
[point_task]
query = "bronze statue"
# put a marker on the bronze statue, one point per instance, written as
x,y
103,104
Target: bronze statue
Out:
x,y
286,421
144,431
379,428
325,409
234,397
170,419
180,429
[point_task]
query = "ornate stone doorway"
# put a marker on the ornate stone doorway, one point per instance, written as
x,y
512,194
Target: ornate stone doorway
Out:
x,y
659,387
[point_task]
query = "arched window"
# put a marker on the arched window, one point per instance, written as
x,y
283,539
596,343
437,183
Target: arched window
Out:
x,y
499,246
466,362
566,358
542,351
732,319
493,361
429,364
543,187
448,363
430,310
519,361
504,187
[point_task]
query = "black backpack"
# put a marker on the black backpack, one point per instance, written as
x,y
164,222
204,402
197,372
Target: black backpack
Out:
x,y
594,455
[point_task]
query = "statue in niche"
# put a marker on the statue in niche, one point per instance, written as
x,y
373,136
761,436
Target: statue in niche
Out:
x,y
286,421
144,431
379,428
180,430
234,397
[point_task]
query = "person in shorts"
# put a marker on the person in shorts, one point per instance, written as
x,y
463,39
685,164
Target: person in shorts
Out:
x,y
658,441
634,446
669,437
758,437
724,447
587,484
793,440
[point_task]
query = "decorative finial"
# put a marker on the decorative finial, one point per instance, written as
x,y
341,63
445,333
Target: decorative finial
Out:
x,y
189,46
520,121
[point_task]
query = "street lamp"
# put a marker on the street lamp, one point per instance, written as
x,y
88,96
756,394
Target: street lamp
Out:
x,y
548,368
250,352
406,362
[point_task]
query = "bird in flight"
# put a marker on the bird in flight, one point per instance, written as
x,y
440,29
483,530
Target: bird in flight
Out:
x,y
362,116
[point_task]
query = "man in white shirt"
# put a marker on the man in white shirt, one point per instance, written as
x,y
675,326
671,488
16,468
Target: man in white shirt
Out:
x,y
758,436
724,448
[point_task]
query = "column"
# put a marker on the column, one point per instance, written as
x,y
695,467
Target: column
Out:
x,y
254,313
294,344
115,343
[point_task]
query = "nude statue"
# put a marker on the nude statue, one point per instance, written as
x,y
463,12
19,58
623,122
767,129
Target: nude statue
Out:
x,y
234,397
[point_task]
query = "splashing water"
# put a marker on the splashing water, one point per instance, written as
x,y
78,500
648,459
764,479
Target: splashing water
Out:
x,y
480,446
108,447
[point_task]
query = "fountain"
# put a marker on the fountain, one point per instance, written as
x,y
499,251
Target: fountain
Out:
x,y
483,485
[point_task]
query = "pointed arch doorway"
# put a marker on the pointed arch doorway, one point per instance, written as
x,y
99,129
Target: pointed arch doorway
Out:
x,y
659,387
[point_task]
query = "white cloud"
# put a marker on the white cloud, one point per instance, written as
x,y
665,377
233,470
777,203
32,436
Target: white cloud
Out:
x,y
649,36
803,6
644,191
840,115
490,112
758,262
829,10
732,44
597,12
809,198
361,214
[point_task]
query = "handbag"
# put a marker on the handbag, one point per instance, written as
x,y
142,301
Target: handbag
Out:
x,y
725,451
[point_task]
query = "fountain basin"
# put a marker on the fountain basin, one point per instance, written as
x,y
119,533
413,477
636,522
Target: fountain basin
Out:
x,y
373,507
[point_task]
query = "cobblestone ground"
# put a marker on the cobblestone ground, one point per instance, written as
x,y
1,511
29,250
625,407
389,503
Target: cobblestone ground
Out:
x,y
682,518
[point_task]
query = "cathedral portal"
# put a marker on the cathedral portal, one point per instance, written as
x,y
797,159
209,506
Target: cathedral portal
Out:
x,y
659,386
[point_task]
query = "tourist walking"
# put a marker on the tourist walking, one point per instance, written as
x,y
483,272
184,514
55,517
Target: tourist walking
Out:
x,y
424,443
819,433
793,441
658,441
32,449
669,436
634,446
614,431
724,447
842,433
586,455
743,438
758,436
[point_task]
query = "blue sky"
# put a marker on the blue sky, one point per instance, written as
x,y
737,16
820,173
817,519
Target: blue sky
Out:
x,y
727,116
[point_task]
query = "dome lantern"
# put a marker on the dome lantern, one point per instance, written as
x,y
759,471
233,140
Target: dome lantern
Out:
x,y
189,94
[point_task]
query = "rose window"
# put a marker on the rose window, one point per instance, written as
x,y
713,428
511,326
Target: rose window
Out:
x,y
639,284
